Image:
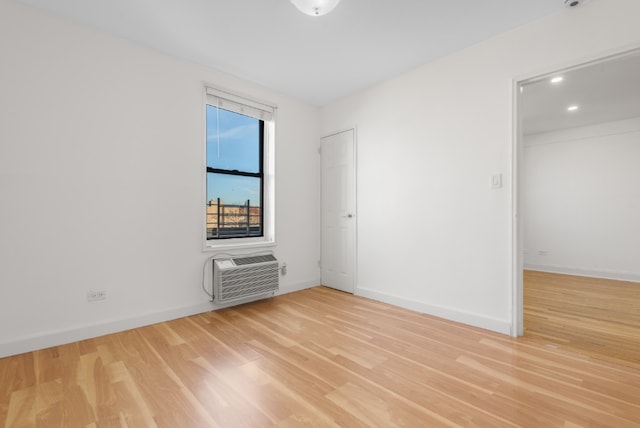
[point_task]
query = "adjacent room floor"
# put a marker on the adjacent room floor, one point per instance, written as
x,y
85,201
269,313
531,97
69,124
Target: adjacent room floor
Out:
x,y
595,317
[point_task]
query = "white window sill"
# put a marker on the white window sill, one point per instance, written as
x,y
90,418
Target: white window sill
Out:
x,y
233,244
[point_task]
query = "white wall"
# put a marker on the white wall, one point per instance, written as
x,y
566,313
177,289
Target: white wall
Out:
x,y
101,182
429,142
581,200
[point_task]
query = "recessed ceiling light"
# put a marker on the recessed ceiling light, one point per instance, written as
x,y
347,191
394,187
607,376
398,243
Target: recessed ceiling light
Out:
x,y
557,79
572,108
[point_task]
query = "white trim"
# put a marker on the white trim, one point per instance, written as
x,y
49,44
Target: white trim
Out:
x,y
60,337
286,289
233,244
356,205
517,257
269,181
591,273
331,134
576,64
517,244
469,318
240,99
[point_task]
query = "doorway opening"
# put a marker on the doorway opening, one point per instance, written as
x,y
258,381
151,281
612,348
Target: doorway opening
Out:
x,y
577,201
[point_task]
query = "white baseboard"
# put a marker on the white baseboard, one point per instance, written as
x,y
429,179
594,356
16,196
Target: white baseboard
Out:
x,y
592,273
476,320
285,289
60,337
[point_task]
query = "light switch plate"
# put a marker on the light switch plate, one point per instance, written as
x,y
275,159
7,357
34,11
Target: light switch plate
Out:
x,y
496,181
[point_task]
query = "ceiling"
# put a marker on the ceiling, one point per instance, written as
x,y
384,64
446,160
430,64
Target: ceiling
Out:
x,y
604,91
313,59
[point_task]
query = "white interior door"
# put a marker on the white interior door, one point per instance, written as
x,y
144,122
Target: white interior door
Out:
x,y
338,264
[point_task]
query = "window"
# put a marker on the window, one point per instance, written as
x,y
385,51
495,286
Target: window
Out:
x,y
239,188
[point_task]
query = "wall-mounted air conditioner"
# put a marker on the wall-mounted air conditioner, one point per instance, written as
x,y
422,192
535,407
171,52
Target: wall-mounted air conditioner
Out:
x,y
243,277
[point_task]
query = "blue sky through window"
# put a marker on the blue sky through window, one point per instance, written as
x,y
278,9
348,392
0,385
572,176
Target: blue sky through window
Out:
x,y
233,142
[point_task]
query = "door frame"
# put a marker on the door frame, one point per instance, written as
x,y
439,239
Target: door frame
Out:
x,y
517,226
354,129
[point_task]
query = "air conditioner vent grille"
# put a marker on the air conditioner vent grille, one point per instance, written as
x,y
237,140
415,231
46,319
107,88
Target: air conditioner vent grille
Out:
x,y
240,261
245,277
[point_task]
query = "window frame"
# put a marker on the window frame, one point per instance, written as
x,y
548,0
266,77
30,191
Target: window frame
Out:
x,y
267,112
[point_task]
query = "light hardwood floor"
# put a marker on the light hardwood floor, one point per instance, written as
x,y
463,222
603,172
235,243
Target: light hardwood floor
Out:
x,y
597,317
314,358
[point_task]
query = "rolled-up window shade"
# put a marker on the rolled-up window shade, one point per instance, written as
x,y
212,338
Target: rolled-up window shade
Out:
x,y
240,105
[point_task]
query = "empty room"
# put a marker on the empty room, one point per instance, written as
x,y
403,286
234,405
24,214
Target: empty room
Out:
x,y
290,213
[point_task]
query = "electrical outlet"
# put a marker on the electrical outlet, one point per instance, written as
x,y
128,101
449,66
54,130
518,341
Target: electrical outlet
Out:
x,y
283,269
94,296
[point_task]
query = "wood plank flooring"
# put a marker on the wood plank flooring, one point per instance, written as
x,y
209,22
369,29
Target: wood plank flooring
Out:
x,y
315,358
593,316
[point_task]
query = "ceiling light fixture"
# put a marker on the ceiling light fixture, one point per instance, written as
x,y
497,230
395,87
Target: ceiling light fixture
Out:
x,y
315,7
557,79
572,108
573,3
